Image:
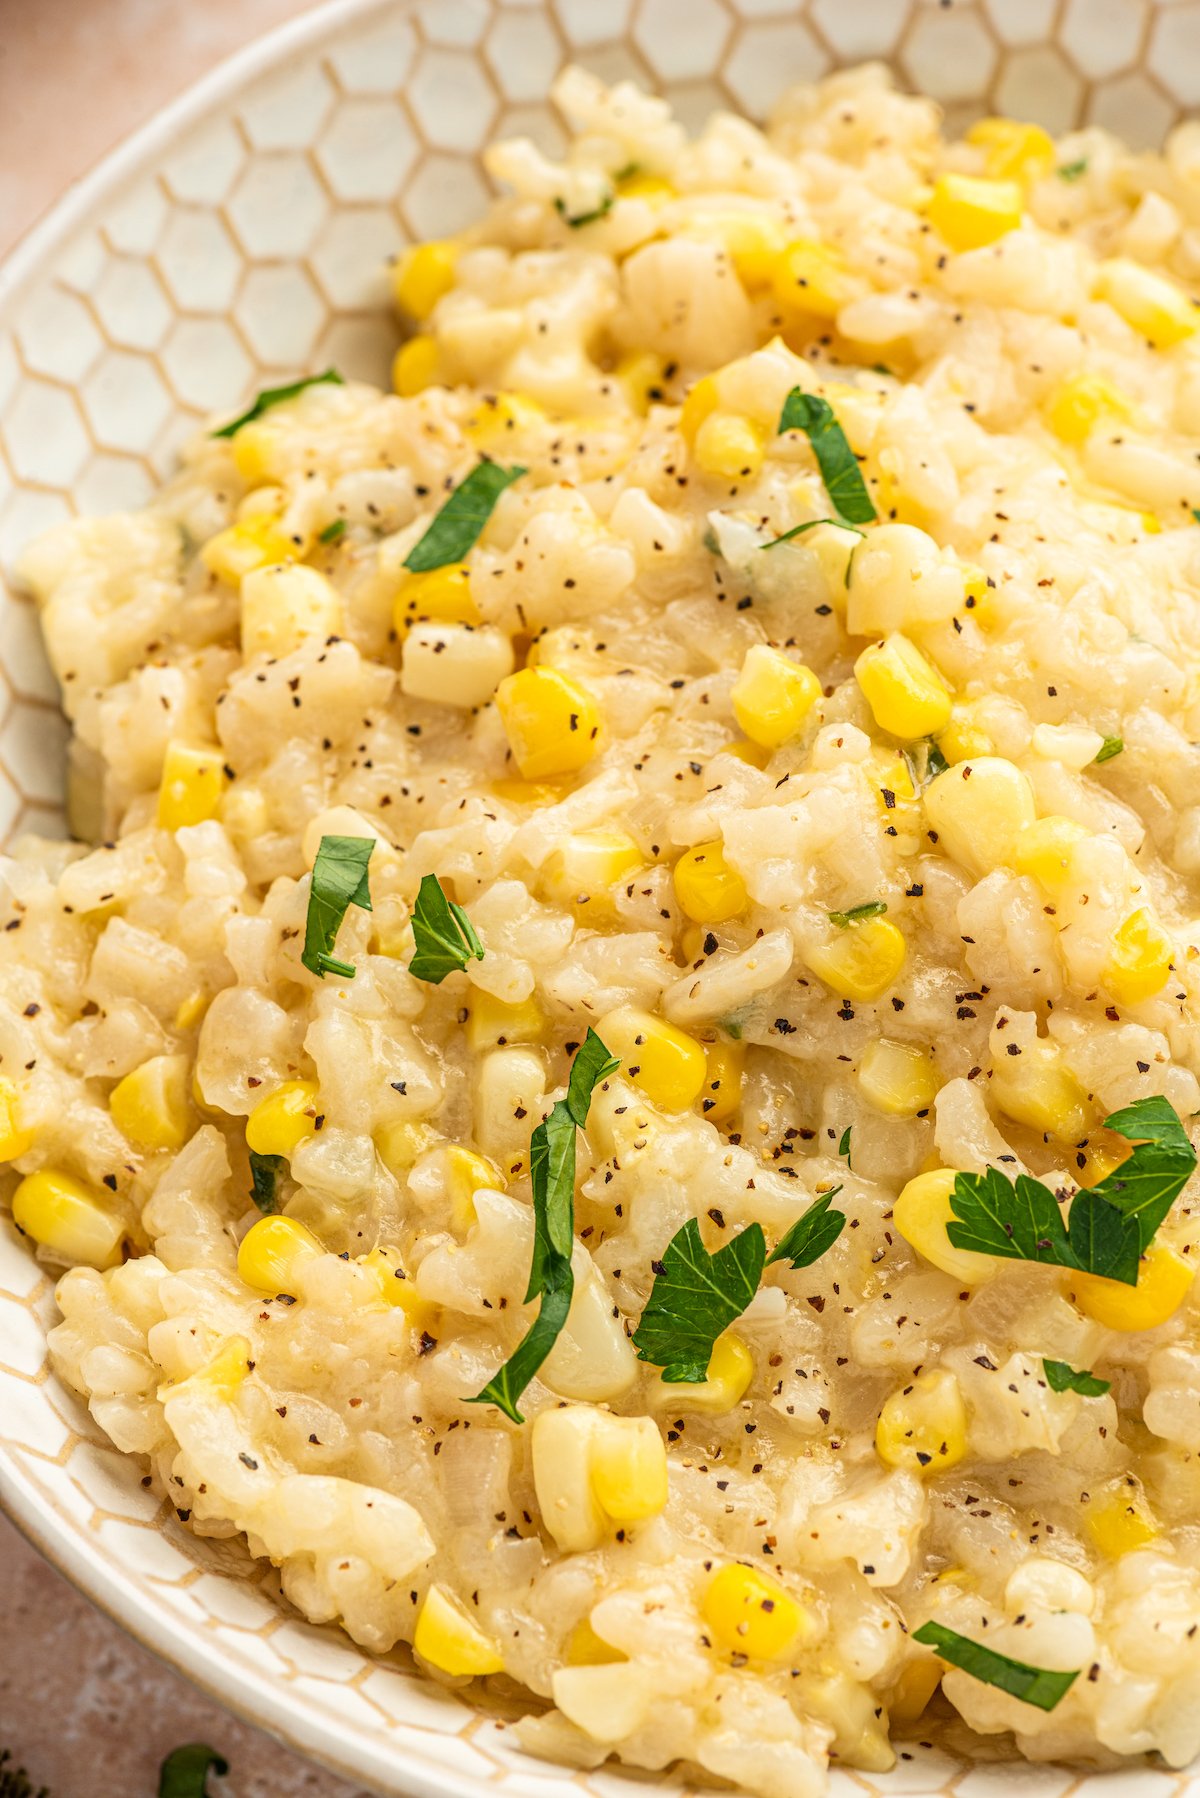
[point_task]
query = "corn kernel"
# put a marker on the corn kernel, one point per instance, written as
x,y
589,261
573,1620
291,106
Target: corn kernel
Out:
x,y
923,1426
422,275
63,1215
1153,305
466,1171
772,696
283,606
709,891
150,1105
586,1649
701,402
15,1139
499,415
1080,404
978,810
235,552
1035,1088
527,792
1045,850
607,1704
962,741
584,867
970,211
861,962
753,754
641,374
1140,963
401,1142
1164,1280
629,1468
451,1641
1119,1520
750,1613
729,447
921,1214
552,723
664,1062
281,1121
640,184
491,1023
914,1689
454,664
272,1251
416,366
810,278
897,1078
755,241
396,1288
721,1094
193,779
904,691
730,1371
189,1011
1013,150
443,594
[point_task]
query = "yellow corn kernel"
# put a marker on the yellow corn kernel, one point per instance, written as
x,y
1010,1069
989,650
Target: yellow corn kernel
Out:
x,y
810,278
586,1649
641,374
860,962
1152,524
897,1078
189,1011
923,1426
222,1377
1081,403
552,723
400,1143
586,865
772,696
1153,305
628,1461
441,594
15,1139
255,449
960,741
150,1105
904,691
753,754
729,446
978,809
64,1216
667,1064
422,275
1140,963
396,1288
282,606
921,1214
1119,1520
1012,149
640,184
193,779
1035,1088
709,891
241,548
416,366
914,1689
272,1251
730,1371
451,1641
755,241
493,1024
721,1094
970,211
893,778
750,1613
700,404
499,415
1045,850
1164,1280
466,1171
281,1121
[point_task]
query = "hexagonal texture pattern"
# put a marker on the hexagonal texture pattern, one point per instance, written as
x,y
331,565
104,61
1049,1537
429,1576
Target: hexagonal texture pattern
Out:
x,y
248,241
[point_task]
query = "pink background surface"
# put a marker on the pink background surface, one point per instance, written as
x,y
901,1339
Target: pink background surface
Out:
x,y
84,1709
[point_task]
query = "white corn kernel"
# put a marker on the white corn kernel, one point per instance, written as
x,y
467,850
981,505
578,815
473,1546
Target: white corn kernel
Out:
x,y
454,664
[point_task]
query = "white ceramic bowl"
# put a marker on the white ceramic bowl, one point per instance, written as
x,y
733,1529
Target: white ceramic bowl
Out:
x,y
242,237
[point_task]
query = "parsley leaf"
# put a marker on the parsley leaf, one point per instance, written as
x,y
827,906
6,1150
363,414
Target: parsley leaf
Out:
x,y
444,935
810,524
924,761
332,532
809,1237
1032,1685
836,460
552,1172
339,880
266,1171
844,1145
1071,171
584,218
1147,1185
1062,1377
460,521
858,914
1111,746
275,396
184,1773
694,1297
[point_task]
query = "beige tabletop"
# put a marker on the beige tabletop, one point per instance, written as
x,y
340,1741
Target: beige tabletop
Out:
x,y
88,1713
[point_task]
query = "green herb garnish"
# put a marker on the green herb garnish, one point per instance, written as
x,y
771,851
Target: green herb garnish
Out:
x,y
332,532
1111,746
1032,1685
552,1172
444,935
266,1171
339,880
924,761
812,1234
694,1297
14,1781
1071,171
575,220
458,525
184,1773
858,914
836,460
1062,1377
810,524
1110,1225
1196,516
275,396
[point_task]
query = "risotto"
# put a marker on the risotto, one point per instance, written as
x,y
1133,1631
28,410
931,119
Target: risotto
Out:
x,y
611,1070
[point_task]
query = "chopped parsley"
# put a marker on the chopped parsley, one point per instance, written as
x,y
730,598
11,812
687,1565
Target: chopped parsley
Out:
x,y
1062,1377
266,1171
836,460
809,1237
1071,171
576,219
924,761
184,1773
444,935
844,1146
332,532
457,526
1032,1685
858,914
339,880
1111,746
694,1297
552,1172
1110,1226
810,524
275,396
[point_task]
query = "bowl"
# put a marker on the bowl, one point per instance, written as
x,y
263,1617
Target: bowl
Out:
x,y
238,238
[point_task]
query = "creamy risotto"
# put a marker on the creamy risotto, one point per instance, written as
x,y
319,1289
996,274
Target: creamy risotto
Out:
x,y
748,668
